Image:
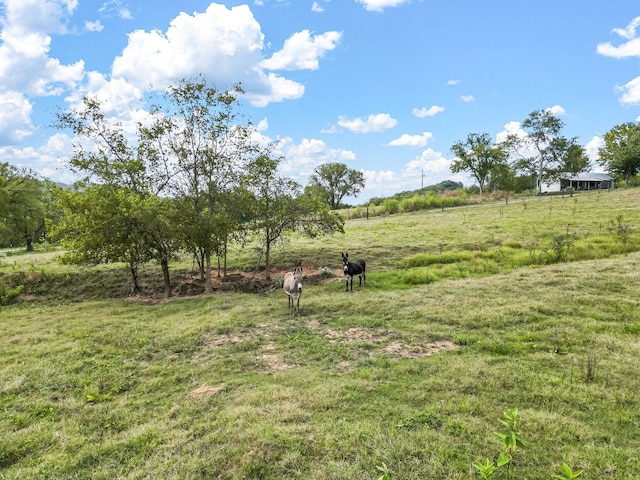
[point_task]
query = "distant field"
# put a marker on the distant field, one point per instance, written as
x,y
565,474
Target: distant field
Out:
x,y
466,313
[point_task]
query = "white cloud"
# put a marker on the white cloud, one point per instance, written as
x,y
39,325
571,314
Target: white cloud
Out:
x,y
427,112
630,30
218,40
380,183
556,110
406,140
317,8
511,128
301,51
15,123
373,123
47,160
592,149
36,16
115,8
94,26
630,92
467,98
271,88
453,82
225,45
380,5
629,49
24,63
302,158
434,165
263,125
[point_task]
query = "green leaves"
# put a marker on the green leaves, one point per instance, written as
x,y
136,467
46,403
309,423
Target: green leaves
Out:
x,y
332,182
486,469
566,473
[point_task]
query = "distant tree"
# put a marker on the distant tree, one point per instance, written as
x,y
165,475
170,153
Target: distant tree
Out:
x,y
332,182
621,152
543,151
22,207
478,156
502,177
279,207
575,160
445,185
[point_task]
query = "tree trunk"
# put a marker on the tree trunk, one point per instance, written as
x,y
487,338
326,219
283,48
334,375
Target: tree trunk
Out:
x,y
200,257
207,283
133,270
540,172
164,263
267,254
29,243
225,258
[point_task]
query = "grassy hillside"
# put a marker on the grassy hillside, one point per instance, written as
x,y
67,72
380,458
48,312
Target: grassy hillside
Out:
x,y
466,313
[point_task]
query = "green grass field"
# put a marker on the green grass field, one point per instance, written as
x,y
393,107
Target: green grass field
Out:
x,y
466,313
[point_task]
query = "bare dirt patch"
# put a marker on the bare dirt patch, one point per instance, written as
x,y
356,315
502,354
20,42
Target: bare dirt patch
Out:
x,y
399,349
191,285
205,391
375,341
390,346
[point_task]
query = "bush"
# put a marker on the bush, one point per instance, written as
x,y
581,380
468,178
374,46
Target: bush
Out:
x,y
391,205
414,204
7,294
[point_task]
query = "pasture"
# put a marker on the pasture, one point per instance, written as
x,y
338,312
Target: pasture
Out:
x,y
465,314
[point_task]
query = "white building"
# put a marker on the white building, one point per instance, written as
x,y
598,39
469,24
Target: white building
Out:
x,y
579,181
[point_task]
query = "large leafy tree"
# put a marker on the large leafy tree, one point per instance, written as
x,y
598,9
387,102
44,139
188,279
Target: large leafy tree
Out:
x,y
98,224
114,214
279,207
204,145
22,207
620,154
478,156
543,151
332,182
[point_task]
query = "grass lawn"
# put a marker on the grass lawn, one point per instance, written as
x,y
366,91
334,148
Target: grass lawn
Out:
x,y
466,313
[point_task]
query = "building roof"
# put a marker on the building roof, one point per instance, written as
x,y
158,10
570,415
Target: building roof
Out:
x,y
587,177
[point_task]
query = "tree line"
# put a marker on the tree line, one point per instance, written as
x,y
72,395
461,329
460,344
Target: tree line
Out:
x,y
544,153
191,178
194,177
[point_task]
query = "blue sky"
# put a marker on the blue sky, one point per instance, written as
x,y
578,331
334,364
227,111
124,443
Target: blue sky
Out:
x,y
384,86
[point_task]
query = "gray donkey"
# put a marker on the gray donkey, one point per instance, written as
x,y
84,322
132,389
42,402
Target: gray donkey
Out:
x,y
293,288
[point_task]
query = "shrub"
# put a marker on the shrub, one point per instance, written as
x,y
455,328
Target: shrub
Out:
x,y
7,294
391,205
414,204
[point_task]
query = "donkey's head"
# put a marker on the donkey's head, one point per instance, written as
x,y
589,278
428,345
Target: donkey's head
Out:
x,y
297,278
345,262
